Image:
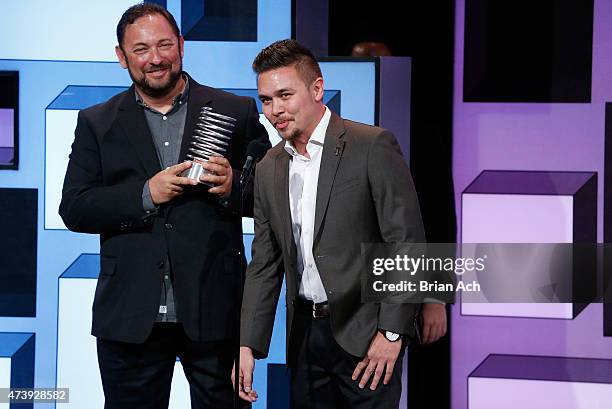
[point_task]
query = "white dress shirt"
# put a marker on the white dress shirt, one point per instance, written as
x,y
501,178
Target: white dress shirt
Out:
x,y
303,181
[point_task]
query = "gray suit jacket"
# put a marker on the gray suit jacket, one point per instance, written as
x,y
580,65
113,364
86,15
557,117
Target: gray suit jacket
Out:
x,y
365,194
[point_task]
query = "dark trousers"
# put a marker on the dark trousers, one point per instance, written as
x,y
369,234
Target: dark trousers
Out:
x,y
138,376
321,372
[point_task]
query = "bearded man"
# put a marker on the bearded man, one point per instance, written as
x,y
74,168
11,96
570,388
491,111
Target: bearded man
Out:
x,y
171,248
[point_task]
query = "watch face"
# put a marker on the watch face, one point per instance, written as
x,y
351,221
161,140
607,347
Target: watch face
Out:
x,y
392,336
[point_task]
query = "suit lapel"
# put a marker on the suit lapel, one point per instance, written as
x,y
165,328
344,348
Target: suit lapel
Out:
x,y
198,98
281,196
132,120
333,147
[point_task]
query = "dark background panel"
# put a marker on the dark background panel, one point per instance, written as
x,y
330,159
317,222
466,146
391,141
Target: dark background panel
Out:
x,y
528,51
162,3
219,20
424,31
18,252
9,99
607,223
9,89
22,366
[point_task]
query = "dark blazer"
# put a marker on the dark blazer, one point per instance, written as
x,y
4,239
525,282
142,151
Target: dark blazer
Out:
x,y
113,154
365,194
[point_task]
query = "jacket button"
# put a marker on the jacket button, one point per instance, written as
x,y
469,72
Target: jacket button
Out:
x,y
168,226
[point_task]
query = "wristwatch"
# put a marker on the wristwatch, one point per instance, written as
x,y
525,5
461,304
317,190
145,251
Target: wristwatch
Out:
x,y
390,335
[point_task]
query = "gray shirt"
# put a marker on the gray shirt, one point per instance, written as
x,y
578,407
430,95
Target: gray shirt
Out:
x,y
167,132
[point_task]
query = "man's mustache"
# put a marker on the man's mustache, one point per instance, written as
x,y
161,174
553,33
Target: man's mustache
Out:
x,y
159,68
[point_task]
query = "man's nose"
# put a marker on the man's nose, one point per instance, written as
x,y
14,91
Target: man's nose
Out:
x,y
277,107
155,56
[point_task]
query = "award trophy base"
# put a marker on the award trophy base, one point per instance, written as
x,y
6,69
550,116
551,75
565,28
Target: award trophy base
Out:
x,y
195,171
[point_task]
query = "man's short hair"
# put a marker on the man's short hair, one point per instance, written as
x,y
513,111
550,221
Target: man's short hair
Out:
x,y
141,10
285,53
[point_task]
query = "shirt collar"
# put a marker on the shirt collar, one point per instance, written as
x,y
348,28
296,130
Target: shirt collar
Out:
x,y
180,98
316,139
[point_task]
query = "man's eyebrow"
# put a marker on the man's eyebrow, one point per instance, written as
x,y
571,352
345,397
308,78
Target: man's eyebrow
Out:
x,y
276,92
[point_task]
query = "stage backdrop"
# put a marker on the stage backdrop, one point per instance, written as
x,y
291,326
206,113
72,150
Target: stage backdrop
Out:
x,y
64,53
530,87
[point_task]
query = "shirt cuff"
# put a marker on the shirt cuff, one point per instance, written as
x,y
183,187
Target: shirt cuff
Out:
x,y
147,201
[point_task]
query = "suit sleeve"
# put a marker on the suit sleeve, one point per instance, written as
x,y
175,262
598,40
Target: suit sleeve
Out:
x,y
89,206
264,278
399,215
254,130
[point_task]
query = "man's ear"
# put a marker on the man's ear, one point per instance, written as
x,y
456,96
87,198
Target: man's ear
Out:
x,y
317,89
181,46
121,56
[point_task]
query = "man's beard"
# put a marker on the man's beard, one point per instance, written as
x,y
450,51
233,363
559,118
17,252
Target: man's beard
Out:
x,y
292,136
157,91
295,134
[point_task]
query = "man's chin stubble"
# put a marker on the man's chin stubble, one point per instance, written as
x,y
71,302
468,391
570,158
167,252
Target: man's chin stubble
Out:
x,y
293,135
157,92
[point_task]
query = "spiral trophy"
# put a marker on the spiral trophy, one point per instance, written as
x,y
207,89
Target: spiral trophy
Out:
x,y
210,137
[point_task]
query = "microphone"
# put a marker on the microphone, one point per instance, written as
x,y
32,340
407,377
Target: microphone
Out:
x,y
254,152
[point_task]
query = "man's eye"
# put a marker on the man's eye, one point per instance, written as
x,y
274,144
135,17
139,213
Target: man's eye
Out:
x,y
140,50
285,95
167,45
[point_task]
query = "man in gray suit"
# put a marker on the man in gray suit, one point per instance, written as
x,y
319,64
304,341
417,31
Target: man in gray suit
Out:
x,y
329,186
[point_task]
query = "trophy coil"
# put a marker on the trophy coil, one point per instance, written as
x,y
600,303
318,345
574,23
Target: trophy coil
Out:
x,y
211,137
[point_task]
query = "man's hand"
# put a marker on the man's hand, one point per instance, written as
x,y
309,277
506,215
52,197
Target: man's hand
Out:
x,y
222,177
167,184
245,376
434,322
381,357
